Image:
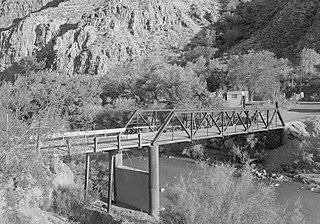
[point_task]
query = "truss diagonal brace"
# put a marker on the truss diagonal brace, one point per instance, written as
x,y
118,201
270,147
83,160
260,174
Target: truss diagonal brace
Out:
x,y
131,118
163,126
197,127
280,117
215,123
266,125
270,121
184,128
243,124
230,119
144,120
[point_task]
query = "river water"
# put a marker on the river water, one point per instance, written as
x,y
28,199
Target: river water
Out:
x,y
287,192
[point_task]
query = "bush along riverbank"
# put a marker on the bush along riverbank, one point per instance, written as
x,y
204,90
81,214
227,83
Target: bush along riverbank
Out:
x,y
298,160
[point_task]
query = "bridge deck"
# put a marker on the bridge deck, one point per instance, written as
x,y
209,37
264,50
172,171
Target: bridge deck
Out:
x,y
129,141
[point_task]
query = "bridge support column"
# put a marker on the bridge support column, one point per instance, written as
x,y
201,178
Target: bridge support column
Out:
x,y
118,159
284,136
111,178
86,181
154,195
118,162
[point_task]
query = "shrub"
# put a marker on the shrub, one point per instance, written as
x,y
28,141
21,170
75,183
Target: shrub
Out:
x,y
215,195
308,157
69,203
195,151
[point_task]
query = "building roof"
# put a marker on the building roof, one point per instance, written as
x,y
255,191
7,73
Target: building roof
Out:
x,y
237,92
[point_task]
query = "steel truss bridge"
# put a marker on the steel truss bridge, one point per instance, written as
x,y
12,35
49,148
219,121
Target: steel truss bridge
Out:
x,y
151,128
161,127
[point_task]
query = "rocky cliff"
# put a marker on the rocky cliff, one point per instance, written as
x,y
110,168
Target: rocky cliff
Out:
x,y
92,36
12,11
82,36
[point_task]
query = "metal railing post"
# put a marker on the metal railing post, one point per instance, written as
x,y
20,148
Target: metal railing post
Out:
x,y
191,128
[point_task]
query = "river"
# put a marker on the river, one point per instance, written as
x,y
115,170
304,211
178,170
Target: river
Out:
x,y
287,192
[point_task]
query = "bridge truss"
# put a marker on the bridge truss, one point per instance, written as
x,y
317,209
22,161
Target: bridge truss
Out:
x,y
160,127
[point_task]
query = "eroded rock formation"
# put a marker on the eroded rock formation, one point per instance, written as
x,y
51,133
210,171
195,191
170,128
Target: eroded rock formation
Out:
x,y
93,41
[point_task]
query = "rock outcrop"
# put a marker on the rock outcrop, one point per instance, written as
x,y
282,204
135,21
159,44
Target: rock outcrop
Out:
x,y
73,40
24,200
80,36
12,11
63,175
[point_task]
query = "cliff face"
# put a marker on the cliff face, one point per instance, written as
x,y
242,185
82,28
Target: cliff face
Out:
x,y
92,36
81,36
11,10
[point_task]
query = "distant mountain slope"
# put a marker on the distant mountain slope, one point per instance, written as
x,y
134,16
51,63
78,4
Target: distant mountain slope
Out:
x,y
281,26
92,36
82,36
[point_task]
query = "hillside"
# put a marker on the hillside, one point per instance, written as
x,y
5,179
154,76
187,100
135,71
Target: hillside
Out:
x,y
281,26
79,36
92,36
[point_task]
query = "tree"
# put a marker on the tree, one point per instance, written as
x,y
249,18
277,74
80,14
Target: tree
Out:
x,y
309,65
309,60
153,80
76,98
176,85
258,73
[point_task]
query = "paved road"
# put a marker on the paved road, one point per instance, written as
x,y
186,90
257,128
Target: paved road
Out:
x,y
300,111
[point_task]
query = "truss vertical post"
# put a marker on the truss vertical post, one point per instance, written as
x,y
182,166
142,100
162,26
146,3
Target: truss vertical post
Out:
x,y
172,132
111,174
87,172
95,141
119,142
191,127
267,119
155,121
186,119
139,140
154,195
257,120
222,123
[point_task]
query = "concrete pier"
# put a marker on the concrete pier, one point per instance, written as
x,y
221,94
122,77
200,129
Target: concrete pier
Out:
x,y
154,194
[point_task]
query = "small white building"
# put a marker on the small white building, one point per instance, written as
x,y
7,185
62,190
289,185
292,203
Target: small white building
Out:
x,y
234,98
